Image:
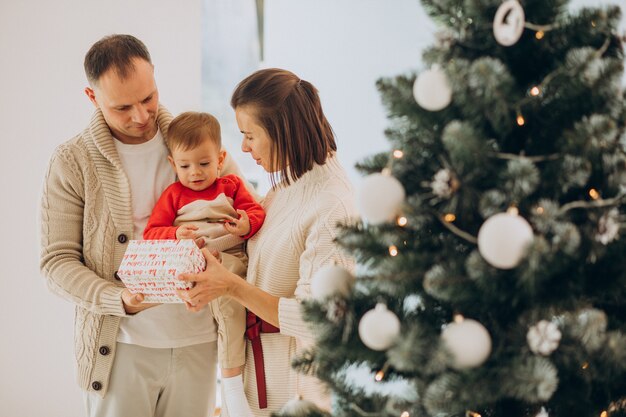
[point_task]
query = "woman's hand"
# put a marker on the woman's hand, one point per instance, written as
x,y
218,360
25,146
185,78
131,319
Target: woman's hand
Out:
x,y
209,284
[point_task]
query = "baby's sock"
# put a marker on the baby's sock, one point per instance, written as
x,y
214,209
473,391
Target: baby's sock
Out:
x,y
235,398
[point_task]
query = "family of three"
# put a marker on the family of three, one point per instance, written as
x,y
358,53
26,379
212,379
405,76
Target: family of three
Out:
x,y
136,172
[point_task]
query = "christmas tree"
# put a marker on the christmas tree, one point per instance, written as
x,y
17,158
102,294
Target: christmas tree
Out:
x,y
491,260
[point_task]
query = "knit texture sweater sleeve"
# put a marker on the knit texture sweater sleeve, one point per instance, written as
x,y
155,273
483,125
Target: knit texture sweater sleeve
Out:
x,y
319,249
61,230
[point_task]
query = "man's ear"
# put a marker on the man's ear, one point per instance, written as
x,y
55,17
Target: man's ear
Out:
x,y
92,96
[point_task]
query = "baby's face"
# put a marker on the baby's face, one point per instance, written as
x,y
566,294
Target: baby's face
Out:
x,y
198,168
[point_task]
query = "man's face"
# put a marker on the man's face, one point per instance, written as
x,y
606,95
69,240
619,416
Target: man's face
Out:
x,y
129,105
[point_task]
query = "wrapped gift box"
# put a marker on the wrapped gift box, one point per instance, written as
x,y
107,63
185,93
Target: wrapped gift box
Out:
x,y
150,267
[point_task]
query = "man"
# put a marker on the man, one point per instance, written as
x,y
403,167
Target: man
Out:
x,y
98,193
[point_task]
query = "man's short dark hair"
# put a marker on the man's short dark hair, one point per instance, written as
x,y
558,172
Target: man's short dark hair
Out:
x,y
114,51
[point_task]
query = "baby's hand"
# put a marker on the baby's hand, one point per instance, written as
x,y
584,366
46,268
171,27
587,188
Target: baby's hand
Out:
x,y
186,231
240,226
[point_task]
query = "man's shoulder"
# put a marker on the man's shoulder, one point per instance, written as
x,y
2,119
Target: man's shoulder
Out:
x,y
74,148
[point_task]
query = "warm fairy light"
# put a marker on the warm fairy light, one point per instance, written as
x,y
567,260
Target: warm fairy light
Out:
x,y
604,414
449,218
472,414
398,154
520,120
402,221
535,91
393,250
585,365
458,318
540,34
405,414
513,211
539,210
379,375
594,194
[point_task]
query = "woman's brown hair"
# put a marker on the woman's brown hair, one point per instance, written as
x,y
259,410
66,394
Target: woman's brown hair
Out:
x,y
290,111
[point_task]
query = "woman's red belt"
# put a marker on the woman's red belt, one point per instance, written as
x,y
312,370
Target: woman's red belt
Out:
x,y
254,327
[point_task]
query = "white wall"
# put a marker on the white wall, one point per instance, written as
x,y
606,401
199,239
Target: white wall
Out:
x,y
41,105
343,47
340,46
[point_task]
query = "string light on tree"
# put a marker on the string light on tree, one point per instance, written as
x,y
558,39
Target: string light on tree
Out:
x,y
449,217
508,24
398,154
535,91
402,221
331,280
540,34
503,239
594,194
393,250
520,119
432,90
379,328
468,341
380,375
380,198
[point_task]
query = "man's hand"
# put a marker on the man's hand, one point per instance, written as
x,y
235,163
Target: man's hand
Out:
x,y
240,226
133,303
186,231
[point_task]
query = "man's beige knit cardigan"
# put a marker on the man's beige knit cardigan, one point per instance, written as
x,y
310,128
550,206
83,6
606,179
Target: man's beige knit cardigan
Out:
x,y
85,224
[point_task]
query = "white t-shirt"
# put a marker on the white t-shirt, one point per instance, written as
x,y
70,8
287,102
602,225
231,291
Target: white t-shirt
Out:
x,y
166,325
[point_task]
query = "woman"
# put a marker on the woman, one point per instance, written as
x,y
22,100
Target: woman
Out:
x,y
286,132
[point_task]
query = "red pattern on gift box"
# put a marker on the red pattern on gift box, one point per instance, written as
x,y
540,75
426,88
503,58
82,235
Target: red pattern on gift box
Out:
x,y
151,267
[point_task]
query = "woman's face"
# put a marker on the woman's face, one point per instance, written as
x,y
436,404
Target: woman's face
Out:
x,y
255,138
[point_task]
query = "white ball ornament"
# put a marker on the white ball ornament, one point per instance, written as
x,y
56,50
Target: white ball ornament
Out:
x,y
380,198
503,240
379,328
508,24
432,90
469,343
331,280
